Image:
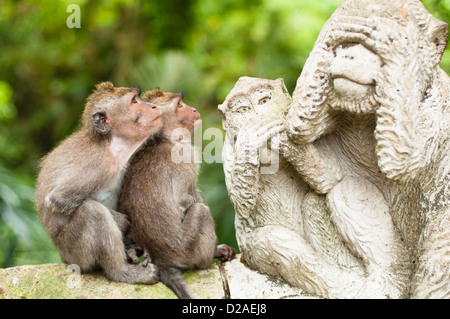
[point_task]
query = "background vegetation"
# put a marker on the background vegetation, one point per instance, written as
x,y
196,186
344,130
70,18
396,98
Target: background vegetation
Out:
x,y
200,47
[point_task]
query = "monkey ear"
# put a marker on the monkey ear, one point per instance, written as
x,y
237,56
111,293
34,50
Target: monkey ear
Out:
x,y
102,123
439,36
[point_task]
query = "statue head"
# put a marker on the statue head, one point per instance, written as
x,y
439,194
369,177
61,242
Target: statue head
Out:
x,y
251,98
367,45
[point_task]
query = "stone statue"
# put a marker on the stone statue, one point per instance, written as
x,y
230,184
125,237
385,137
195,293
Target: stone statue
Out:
x,y
357,202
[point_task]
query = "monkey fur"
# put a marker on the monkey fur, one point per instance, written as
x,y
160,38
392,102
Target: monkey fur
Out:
x,y
79,183
167,214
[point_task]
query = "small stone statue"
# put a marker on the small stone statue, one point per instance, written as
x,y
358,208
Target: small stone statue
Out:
x,y
343,190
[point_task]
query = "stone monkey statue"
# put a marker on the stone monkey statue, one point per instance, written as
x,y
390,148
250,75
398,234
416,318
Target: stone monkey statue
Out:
x,y
281,223
372,100
372,88
79,183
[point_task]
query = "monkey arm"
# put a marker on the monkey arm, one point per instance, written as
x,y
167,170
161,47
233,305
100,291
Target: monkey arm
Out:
x,y
309,116
320,171
245,174
432,277
408,124
245,181
121,219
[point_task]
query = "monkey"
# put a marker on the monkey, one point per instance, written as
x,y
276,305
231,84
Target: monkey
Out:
x,y
372,89
79,181
168,216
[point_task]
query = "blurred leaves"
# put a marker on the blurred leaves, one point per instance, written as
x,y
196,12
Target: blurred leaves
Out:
x,y
198,47
22,239
7,108
172,71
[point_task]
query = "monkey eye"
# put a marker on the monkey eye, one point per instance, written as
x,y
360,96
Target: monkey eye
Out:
x,y
264,100
180,105
134,99
243,109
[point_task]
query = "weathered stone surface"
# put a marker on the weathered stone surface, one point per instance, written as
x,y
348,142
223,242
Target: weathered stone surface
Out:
x,y
232,280
55,281
244,283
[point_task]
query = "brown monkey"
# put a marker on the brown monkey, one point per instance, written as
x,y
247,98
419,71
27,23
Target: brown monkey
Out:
x,y
168,217
79,183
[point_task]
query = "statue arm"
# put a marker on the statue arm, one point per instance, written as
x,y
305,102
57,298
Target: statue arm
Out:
x,y
243,162
321,171
309,116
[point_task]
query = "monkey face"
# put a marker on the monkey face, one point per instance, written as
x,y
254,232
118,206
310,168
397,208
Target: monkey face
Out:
x,y
187,116
120,112
251,98
353,73
134,118
145,113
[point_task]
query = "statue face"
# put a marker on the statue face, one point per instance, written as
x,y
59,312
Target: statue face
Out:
x,y
366,46
251,98
353,72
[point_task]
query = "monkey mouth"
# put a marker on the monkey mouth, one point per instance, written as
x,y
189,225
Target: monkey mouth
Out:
x,y
345,86
159,116
352,96
156,119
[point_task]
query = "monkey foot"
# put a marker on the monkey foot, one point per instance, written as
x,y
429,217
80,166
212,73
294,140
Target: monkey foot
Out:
x,y
224,253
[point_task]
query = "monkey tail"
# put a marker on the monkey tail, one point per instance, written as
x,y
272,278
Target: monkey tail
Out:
x,y
173,279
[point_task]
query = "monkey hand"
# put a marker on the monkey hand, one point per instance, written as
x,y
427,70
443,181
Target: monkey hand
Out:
x,y
257,133
320,170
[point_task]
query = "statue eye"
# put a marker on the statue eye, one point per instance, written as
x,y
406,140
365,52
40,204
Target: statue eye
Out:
x,y
264,100
243,109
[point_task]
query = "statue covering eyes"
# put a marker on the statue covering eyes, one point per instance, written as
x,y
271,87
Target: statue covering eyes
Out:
x,y
358,205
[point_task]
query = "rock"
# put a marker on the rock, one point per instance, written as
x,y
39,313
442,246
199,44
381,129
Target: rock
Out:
x,y
58,281
231,280
241,282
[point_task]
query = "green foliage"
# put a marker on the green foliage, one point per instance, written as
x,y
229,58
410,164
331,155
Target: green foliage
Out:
x,y
22,239
199,47
7,108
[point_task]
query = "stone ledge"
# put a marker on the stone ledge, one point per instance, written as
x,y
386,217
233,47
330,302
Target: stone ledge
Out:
x,y
55,281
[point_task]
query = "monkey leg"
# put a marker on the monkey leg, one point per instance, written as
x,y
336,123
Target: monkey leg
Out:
x,y
432,276
321,233
92,239
280,252
362,219
199,239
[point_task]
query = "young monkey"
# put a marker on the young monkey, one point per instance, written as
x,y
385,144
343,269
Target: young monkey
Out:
x,y
168,217
79,183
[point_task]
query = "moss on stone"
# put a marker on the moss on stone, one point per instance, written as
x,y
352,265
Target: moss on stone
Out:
x,y
55,281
